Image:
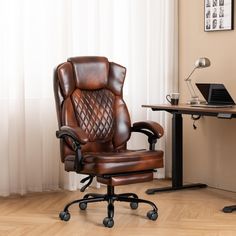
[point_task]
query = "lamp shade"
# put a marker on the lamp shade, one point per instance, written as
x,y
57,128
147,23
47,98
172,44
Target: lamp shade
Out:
x,y
202,62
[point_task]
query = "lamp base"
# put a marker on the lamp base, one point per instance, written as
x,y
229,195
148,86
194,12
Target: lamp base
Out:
x,y
195,101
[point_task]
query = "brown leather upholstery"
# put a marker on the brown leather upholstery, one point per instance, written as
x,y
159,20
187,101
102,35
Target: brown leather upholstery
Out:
x,y
91,109
81,103
88,93
130,179
117,162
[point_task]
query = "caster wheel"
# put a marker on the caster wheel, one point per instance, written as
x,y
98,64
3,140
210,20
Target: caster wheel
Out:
x,y
64,216
227,210
83,206
133,205
152,215
108,222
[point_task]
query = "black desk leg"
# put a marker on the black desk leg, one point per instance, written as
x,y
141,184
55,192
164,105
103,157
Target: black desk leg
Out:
x,y
229,209
177,159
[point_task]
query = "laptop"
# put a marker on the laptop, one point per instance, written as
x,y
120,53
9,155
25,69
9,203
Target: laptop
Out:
x,y
216,95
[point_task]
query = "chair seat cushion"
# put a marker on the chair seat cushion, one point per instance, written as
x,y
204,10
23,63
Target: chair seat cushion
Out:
x,y
117,162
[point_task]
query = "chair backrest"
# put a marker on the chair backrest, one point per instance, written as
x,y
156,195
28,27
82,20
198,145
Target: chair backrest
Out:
x,y
88,94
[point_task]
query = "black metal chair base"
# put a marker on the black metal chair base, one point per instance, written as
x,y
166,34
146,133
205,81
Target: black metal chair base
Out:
x,y
229,209
110,197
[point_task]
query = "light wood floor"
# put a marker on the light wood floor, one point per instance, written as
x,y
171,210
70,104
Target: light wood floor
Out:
x,y
188,212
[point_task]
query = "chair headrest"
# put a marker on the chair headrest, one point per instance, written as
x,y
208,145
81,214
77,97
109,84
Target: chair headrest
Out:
x,y
90,72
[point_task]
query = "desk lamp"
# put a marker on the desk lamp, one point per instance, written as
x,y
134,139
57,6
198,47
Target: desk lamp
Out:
x,y
202,62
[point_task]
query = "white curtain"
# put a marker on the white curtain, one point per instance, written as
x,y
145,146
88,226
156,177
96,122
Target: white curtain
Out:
x,y
38,35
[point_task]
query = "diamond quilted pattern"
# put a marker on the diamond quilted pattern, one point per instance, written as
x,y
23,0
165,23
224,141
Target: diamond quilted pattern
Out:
x,y
94,113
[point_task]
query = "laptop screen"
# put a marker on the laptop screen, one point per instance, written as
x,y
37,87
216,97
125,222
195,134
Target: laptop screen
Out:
x,y
215,94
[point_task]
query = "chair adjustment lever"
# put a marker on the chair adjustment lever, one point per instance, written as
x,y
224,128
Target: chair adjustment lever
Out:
x,y
85,179
90,180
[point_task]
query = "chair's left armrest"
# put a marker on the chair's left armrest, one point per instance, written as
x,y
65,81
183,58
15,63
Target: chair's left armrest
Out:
x,y
152,126
152,129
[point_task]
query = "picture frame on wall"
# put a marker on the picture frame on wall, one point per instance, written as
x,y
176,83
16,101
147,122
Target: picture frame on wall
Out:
x,y
218,15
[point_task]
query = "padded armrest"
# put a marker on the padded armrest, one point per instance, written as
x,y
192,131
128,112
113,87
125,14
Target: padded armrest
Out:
x,y
78,137
76,134
152,126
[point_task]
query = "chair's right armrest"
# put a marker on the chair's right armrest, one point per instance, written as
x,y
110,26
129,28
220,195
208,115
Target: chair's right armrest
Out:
x,y
75,133
78,137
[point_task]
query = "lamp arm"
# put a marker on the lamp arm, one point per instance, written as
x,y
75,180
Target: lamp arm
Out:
x,y
188,78
189,84
191,89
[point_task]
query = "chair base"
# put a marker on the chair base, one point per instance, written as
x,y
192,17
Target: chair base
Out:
x,y
110,197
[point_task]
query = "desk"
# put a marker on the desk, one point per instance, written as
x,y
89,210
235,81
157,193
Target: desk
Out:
x,y
177,141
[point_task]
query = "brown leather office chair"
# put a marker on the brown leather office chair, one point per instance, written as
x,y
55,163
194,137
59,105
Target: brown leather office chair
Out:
x,y
94,127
